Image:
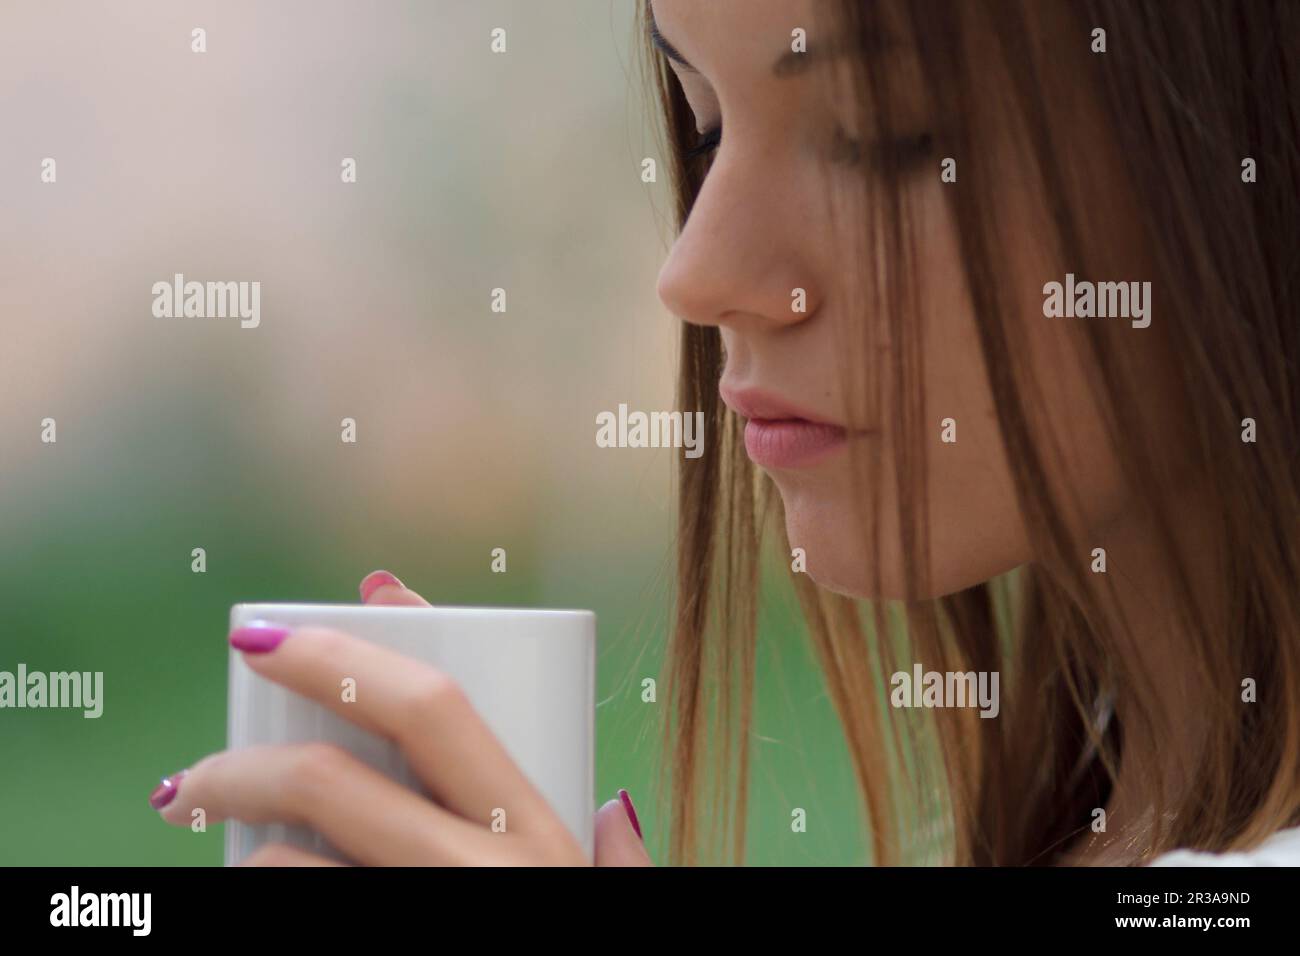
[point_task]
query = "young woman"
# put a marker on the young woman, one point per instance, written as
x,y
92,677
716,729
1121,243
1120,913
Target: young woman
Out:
x,y
991,308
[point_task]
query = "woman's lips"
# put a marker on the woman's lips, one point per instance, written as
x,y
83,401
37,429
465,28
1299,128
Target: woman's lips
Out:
x,y
790,442
778,434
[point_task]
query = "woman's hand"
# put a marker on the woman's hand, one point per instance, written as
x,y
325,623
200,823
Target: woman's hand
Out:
x,y
370,818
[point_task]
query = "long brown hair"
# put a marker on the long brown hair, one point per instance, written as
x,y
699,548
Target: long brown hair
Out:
x,y
1186,91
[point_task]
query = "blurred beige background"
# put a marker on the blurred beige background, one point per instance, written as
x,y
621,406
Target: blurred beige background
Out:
x,y
475,171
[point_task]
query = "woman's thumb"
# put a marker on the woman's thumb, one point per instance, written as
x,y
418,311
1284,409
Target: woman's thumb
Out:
x,y
618,834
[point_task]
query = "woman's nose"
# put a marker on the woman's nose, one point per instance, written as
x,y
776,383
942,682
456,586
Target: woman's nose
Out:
x,y
744,254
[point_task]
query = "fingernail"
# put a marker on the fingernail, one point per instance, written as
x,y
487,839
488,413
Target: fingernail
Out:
x,y
631,812
165,792
375,580
258,637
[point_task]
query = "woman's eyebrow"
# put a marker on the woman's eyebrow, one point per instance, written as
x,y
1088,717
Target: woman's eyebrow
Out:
x,y
788,64
791,63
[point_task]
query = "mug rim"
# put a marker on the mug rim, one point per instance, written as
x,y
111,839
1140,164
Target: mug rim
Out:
x,y
295,606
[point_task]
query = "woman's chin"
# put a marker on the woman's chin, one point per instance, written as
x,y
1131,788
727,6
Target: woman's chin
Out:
x,y
828,551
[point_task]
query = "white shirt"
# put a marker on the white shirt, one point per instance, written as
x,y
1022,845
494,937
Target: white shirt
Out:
x,y
1281,849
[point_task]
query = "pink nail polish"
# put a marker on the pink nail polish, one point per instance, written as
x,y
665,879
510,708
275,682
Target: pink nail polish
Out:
x,y
375,580
165,792
258,637
631,811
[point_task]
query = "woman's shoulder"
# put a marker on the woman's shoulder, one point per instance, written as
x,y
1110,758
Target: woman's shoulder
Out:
x,y
1281,849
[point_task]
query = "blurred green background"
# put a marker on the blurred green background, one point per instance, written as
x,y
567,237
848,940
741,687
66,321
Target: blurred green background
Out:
x,y
475,429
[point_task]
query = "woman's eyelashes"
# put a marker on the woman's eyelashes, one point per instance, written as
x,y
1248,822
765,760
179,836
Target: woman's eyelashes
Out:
x,y
707,142
902,152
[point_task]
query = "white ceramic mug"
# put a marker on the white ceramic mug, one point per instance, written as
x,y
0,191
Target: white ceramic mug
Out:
x,y
530,674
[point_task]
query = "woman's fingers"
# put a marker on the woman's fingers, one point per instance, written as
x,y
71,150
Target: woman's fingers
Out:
x,y
382,587
367,816
282,854
618,838
449,748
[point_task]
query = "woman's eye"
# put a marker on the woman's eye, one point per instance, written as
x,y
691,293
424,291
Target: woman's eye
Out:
x,y
902,151
708,142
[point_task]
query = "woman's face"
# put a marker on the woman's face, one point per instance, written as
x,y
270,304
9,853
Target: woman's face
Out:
x,y
759,230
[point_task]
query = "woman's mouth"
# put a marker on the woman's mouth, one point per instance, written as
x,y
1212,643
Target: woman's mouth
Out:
x,y
790,442
780,435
